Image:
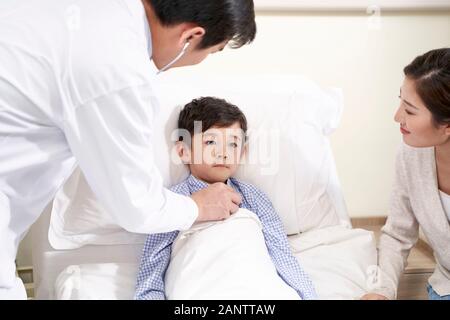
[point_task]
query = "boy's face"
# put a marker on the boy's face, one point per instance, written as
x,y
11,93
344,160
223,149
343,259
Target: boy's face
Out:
x,y
215,154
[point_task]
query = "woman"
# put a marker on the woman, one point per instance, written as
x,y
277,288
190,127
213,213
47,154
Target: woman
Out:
x,y
421,195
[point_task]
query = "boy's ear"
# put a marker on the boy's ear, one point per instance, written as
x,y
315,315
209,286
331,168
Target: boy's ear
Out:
x,y
245,149
244,152
183,152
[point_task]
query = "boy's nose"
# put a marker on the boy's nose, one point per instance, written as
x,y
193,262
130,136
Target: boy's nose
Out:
x,y
222,156
221,152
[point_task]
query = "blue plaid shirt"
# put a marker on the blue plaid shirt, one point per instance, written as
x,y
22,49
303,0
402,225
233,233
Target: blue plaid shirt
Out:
x,y
157,249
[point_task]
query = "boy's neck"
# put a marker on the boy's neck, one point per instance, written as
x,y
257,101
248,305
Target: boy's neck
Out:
x,y
200,179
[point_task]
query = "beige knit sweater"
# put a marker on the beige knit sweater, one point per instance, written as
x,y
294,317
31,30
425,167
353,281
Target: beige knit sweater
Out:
x,y
415,201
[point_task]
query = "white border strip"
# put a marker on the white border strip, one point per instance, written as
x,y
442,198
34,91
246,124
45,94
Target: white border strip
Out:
x,y
351,5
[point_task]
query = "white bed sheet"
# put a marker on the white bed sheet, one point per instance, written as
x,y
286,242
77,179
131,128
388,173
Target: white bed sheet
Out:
x,y
48,263
338,259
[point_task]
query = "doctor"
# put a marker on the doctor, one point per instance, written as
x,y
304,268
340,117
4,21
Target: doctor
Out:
x,y
75,89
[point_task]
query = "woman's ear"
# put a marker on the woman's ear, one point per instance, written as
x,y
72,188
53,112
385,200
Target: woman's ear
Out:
x,y
447,130
444,129
183,152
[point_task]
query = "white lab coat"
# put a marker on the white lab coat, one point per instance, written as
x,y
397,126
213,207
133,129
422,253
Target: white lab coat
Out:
x,y
75,89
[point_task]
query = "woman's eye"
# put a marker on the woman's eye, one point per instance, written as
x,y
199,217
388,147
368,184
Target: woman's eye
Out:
x,y
410,113
234,145
210,142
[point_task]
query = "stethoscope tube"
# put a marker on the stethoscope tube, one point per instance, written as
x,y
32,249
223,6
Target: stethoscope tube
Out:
x,y
178,57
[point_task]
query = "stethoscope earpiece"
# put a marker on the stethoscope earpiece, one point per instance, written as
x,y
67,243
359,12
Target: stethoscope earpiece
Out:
x,y
186,45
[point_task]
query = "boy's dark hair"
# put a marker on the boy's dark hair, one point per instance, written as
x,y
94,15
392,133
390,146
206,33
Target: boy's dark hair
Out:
x,y
232,20
211,112
431,74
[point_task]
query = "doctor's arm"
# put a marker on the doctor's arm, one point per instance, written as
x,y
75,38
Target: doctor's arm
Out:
x,y
277,243
154,262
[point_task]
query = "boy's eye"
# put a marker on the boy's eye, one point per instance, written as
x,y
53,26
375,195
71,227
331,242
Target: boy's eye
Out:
x,y
407,112
210,142
233,144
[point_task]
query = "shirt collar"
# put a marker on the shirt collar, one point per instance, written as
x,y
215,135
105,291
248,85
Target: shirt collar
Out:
x,y
148,34
137,9
196,184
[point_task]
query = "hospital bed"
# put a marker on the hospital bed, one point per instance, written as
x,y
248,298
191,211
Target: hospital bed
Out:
x,y
304,188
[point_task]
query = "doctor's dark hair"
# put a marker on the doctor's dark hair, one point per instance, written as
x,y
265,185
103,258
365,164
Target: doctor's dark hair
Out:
x,y
212,112
431,74
223,20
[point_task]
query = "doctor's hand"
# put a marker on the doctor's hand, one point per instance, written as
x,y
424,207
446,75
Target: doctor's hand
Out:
x,y
216,202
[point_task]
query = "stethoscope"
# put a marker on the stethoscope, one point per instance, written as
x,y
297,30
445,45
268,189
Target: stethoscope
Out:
x,y
183,51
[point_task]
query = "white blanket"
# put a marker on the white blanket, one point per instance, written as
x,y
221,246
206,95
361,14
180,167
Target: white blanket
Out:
x,y
339,260
224,260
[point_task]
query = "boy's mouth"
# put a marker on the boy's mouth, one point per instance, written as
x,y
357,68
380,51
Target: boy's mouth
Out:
x,y
220,166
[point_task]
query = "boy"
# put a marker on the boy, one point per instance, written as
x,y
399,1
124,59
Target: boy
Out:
x,y
213,156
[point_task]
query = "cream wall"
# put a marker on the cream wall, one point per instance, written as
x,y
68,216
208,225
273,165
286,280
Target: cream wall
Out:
x,y
346,50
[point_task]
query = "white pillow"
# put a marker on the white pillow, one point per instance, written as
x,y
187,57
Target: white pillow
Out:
x,y
77,219
289,116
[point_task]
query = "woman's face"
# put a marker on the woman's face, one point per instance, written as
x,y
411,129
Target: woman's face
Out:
x,y
416,121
